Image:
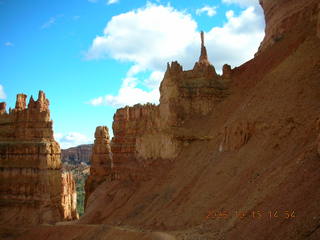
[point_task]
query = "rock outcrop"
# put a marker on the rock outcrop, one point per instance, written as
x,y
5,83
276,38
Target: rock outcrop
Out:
x,y
246,151
184,94
69,197
31,182
77,155
236,136
264,181
285,18
318,28
101,161
149,132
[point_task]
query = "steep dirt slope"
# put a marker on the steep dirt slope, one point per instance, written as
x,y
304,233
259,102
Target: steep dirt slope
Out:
x,y
254,155
255,152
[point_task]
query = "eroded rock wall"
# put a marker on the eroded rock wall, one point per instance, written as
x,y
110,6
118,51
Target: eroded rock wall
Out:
x,y
101,161
31,183
133,129
286,16
144,133
69,197
77,155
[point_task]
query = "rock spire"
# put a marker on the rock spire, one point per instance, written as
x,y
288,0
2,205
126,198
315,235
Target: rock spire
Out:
x,y
203,59
101,161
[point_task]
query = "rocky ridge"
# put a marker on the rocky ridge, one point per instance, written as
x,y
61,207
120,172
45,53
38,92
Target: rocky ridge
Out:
x,y
144,133
33,188
250,130
77,155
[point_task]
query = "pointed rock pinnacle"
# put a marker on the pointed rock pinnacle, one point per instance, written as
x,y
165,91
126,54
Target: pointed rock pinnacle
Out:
x,y
203,56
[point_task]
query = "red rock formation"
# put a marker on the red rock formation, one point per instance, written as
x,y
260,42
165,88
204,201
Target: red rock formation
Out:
x,y
190,93
101,161
226,72
131,123
30,176
69,197
285,17
318,28
203,59
77,155
236,136
267,125
147,132
2,107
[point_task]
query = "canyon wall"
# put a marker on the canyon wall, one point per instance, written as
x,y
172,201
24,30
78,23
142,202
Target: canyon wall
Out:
x,y
143,133
77,155
285,17
243,143
33,189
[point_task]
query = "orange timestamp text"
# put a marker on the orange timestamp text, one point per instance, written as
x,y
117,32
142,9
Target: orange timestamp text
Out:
x,y
256,214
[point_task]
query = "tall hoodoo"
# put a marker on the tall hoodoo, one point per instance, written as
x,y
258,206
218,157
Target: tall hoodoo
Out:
x,y
101,161
32,186
203,59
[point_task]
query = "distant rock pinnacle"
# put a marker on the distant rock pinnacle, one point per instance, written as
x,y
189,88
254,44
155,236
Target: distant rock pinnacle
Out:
x,y
203,56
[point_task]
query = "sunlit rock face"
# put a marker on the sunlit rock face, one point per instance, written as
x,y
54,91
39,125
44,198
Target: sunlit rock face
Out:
x,y
32,185
101,161
143,133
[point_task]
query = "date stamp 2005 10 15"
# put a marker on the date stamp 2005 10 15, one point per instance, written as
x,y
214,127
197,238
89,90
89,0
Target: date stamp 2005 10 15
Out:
x,y
269,214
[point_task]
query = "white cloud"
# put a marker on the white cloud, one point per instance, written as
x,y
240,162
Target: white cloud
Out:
x,y
71,139
150,37
2,93
210,11
112,2
9,44
242,3
238,40
154,79
128,96
49,23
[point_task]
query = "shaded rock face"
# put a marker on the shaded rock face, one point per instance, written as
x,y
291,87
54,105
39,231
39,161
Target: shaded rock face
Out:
x,y
101,161
284,17
318,28
77,155
31,183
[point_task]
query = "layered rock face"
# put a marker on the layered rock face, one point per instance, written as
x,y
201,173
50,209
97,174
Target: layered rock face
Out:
x,y
286,17
69,197
133,127
31,183
185,94
77,155
256,174
148,132
101,161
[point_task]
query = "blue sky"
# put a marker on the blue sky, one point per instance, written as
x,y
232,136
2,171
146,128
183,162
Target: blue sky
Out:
x,y
94,56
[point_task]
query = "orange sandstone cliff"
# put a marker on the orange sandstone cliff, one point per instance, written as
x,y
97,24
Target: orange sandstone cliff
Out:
x,y
226,157
33,189
222,157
